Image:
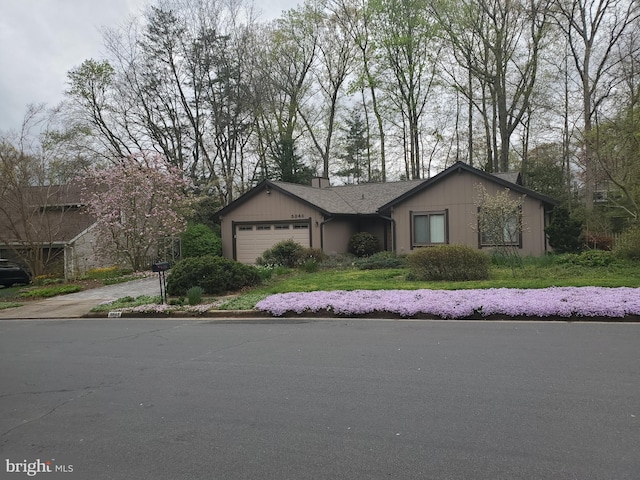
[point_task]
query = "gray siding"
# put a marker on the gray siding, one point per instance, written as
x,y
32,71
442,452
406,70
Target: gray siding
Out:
x,y
273,207
457,194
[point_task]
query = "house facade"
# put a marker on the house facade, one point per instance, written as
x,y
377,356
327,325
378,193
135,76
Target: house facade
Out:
x,y
404,216
45,228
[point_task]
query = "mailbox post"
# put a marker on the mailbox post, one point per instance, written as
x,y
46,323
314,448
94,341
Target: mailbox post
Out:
x,y
161,268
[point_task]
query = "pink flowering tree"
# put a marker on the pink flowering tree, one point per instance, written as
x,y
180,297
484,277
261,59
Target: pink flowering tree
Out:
x,y
137,203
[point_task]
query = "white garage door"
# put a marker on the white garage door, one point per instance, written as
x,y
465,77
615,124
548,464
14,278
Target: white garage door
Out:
x,y
253,240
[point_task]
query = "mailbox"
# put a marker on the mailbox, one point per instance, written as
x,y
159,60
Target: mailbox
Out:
x,y
160,267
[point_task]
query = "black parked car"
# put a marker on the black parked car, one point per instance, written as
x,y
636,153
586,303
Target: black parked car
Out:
x,y
11,273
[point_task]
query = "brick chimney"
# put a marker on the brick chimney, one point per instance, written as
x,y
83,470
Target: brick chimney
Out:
x,y
320,182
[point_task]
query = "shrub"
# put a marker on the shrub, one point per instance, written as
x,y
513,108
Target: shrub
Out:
x,y
315,254
199,240
448,262
194,295
588,258
381,260
363,244
339,260
565,233
599,242
213,274
46,279
628,245
310,266
285,253
103,273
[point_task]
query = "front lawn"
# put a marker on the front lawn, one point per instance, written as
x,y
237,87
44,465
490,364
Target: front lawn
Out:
x,y
535,273
530,276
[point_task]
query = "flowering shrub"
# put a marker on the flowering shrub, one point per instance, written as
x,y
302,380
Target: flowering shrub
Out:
x,y
545,302
163,308
136,203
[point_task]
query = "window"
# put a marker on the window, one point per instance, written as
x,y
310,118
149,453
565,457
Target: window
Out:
x,y
301,226
428,228
263,227
281,226
245,228
507,234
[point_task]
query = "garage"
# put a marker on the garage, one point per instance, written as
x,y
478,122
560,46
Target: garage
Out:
x,y
252,239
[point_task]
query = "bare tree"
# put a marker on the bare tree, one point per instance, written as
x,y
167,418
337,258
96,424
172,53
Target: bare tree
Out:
x,y
499,45
593,29
34,213
407,35
333,65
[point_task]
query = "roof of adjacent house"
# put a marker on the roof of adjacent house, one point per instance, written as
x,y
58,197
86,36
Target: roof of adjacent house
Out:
x,y
43,214
375,198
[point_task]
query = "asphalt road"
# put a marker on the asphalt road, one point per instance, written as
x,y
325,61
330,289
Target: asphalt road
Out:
x,y
360,399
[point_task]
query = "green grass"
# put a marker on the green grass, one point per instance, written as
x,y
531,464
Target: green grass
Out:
x,y
47,292
4,305
244,302
10,292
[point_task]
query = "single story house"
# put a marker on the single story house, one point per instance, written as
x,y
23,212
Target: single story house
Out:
x,y
46,228
403,215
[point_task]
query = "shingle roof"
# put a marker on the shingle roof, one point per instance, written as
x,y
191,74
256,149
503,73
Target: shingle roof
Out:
x,y
362,199
373,198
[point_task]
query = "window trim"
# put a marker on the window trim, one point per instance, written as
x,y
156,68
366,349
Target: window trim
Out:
x,y
428,214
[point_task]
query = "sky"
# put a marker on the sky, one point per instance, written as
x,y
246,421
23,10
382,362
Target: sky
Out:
x,y
41,40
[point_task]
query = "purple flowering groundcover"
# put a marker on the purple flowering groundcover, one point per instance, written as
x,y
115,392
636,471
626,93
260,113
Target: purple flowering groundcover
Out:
x,y
454,304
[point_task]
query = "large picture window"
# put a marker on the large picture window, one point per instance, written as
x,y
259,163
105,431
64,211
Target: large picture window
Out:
x,y
428,228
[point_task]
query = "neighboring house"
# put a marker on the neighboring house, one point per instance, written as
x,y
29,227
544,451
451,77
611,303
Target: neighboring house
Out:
x,y
403,215
46,229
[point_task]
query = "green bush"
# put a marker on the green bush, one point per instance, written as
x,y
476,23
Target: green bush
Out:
x,y
199,240
628,245
588,258
315,254
363,244
448,262
339,261
565,232
381,260
214,274
285,253
194,295
310,266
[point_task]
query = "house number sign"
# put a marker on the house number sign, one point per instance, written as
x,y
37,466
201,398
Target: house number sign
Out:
x,y
297,215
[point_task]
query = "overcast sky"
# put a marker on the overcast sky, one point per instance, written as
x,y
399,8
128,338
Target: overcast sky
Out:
x,y
41,40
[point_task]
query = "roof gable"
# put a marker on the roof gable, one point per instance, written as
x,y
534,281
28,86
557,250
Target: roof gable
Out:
x,y
500,179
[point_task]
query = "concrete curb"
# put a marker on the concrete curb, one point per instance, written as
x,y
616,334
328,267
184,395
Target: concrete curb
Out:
x,y
324,315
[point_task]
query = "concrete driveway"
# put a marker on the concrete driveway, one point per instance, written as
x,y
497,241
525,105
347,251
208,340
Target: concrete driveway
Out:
x,y
75,305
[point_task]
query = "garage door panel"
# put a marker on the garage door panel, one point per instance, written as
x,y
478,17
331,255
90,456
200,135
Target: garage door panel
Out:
x,y
253,240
